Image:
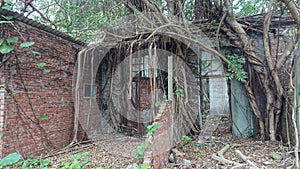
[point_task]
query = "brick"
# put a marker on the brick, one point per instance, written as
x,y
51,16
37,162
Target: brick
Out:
x,y
34,90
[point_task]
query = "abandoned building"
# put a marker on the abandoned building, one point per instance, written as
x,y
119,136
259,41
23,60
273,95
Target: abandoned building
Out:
x,y
114,86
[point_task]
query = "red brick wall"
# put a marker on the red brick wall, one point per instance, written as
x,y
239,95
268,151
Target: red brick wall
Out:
x,y
31,93
162,141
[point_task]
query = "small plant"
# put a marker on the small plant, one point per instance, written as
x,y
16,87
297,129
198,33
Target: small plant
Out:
x,y
157,104
202,154
76,161
250,132
35,163
235,68
139,151
179,92
143,166
184,141
152,128
196,150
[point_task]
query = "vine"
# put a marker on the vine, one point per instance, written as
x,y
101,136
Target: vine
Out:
x,y
7,47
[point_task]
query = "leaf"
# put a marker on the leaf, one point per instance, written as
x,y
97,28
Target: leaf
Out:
x,y
46,71
32,52
157,104
10,159
26,44
85,154
12,40
7,7
8,17
1,136
154,126
287,53
1,41
143,166
6,48
41,64
43,117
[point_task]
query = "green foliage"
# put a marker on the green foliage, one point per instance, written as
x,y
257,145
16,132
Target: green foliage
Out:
x,y
139,152
10,159
250,132
81,18
6,48
12,40
32,52
46,71
249,7
143,166
152,128
35,163
184,141
235,68
26,44
43,117
8,5
179,92
41,64
189,10
76,161
202,154
157,104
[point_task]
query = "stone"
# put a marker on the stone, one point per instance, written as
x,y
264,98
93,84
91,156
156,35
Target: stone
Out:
x,y
172,158
267,163
187,163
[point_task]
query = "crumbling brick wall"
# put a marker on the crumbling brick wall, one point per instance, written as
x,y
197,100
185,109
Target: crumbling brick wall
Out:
x,y
28,92
161,141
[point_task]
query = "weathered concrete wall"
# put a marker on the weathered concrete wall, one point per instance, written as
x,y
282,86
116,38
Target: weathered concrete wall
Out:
x,y
242,115
30,93
218,89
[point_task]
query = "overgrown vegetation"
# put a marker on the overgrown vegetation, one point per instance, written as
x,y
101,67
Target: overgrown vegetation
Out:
x,y
268,68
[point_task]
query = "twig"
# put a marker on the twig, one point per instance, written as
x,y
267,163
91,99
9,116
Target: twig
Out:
x,y
220,156
243,157
215,157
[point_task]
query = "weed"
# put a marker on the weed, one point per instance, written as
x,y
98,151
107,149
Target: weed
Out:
x,y
184,141
202,154
139,151
76,161
152,128
35,163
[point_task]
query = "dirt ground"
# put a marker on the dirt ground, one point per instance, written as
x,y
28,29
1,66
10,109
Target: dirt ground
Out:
x,y
115,151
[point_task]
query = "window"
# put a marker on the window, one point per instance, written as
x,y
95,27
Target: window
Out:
x,y
90,91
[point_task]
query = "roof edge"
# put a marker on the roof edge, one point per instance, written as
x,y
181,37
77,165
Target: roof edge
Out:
x,y
21,18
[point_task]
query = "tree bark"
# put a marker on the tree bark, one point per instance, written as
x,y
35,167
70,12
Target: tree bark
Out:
x,y
253,60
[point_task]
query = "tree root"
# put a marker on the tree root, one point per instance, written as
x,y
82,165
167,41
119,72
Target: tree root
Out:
x,y
243,157
220,157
